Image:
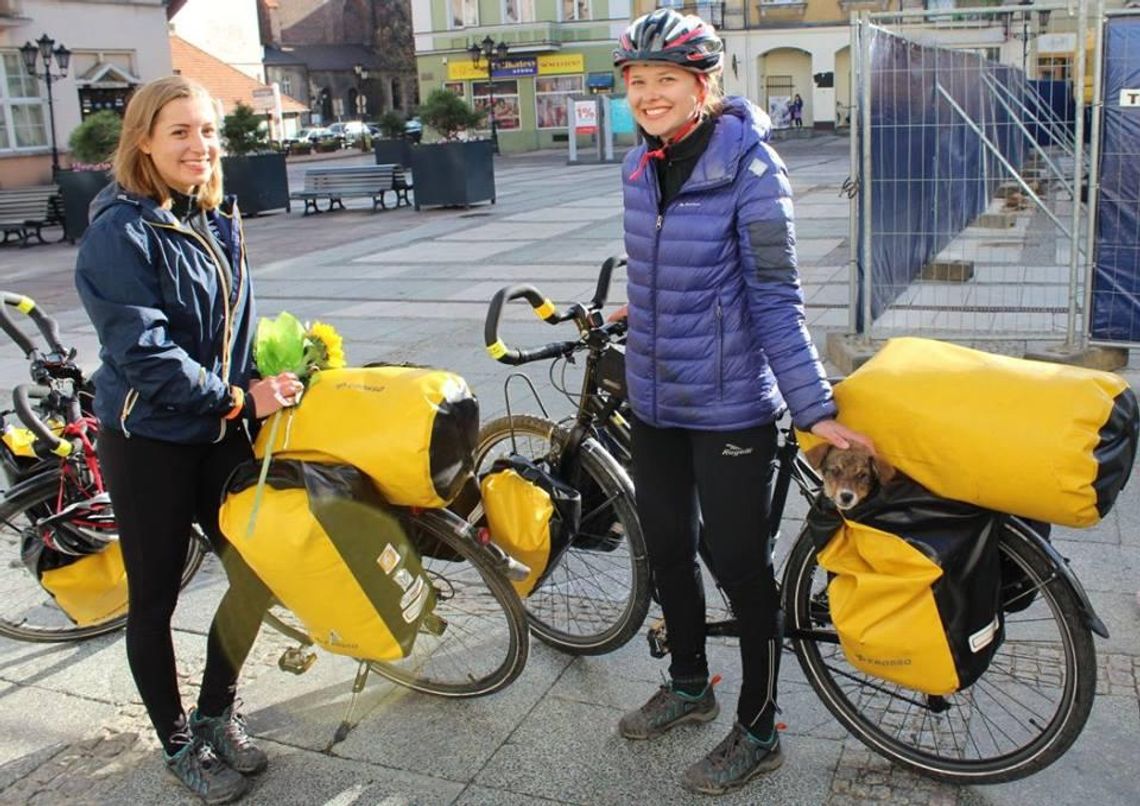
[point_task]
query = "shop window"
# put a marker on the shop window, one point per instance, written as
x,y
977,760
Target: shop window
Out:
x,y
22,112
506,110
464,13
518,11
575,10
1054,68
550,96
456,88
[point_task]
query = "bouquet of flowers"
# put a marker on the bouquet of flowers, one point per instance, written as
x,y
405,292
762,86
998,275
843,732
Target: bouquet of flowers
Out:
x,y
285,345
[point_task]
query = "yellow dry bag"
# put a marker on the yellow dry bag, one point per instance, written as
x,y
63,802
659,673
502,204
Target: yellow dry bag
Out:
x,y
89,588
531,515
1044,441
329,553
412,430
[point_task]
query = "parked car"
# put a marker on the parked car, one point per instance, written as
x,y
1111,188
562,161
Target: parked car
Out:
x,y
413,129
349,131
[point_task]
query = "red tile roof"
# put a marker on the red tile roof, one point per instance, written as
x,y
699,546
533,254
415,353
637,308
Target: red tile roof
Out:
x,y
225,83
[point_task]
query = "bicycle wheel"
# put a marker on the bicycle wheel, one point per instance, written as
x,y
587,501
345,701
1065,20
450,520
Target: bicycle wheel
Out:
x,y
1019,717
597,596
28,612
476,641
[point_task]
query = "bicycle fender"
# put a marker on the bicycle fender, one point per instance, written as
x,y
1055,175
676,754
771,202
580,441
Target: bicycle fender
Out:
x,y
1066,575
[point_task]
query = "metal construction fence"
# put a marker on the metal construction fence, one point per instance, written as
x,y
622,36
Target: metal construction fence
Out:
x,y
971,221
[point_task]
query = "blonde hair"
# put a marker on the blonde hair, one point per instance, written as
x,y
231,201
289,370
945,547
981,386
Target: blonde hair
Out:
x,y
135,170
713,102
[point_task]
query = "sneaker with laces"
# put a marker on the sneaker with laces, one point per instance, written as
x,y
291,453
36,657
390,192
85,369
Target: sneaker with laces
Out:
x,y
666,709
227,736
738,759
204,774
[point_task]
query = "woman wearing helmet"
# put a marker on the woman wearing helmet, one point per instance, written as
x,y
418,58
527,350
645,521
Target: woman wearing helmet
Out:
x,y
717,351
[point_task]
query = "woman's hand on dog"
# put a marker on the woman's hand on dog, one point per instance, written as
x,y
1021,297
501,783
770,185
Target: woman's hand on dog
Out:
x,y
841,436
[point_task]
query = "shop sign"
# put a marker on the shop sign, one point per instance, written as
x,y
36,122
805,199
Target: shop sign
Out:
x,y
512,68
466,71
1056,43
550,64
586,116
1130,97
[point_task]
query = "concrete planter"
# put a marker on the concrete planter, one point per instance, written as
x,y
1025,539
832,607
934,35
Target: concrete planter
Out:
x,y
258,180
392,152
455,174
78,189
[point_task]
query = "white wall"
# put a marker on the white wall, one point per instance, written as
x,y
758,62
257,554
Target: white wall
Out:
x,y
226,29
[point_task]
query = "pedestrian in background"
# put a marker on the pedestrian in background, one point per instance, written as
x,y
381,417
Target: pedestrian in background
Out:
x,y
162,274
717,349
798,111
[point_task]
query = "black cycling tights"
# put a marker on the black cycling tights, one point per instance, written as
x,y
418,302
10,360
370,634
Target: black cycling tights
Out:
x,y
158,489
723,478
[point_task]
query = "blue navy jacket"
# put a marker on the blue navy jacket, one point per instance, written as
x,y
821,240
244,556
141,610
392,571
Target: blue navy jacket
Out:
x,y
716,316
174,322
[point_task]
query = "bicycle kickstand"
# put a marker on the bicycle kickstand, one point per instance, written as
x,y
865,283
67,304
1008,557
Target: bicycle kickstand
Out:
x,y
347,724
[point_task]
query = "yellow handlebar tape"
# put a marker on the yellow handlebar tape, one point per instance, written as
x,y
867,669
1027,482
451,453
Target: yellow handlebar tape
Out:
x,y
497,350
25,305
62,449
545,310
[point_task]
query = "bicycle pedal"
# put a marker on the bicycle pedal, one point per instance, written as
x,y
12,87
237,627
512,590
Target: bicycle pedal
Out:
x,y
433,625
296,660
658,639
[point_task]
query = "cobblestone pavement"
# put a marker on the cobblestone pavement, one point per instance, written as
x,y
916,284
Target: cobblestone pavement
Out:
x,y
414,286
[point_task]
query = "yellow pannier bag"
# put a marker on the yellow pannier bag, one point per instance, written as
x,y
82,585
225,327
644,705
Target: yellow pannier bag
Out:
x,y
531,515
328,552
1044,441
915,588
412,430
90,589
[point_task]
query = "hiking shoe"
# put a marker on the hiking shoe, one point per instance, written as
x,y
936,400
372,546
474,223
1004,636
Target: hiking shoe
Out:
x,y
226,735
738,759
666,709
204,774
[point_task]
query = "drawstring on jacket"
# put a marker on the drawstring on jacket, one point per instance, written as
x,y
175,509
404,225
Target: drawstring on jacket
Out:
x,y
659,153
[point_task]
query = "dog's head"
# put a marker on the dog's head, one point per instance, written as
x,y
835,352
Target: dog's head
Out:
x,y
849,476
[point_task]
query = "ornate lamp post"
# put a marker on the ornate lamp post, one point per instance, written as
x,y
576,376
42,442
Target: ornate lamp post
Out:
x,y
361,97
43,48
487,49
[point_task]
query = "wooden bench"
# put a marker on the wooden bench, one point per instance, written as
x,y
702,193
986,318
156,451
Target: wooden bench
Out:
x,y
367,181
24,212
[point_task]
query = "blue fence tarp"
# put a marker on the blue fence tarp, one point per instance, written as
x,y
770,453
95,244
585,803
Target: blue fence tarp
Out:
x,y
1051,110
931,173
1116,275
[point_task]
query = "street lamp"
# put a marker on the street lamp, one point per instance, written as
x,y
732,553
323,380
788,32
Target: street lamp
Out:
x,y
361,97
43,48
487,49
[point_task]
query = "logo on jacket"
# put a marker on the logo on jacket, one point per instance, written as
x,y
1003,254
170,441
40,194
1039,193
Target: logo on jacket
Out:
x,y
689,204
734,450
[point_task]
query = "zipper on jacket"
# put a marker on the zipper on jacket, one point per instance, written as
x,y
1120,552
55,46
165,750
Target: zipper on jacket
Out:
x,y
719,350
128,406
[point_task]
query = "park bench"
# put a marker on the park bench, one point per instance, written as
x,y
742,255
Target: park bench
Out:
x,y
24,212
367,181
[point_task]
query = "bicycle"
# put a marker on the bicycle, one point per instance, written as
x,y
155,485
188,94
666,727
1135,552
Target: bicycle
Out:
x,y
477,641
1020,716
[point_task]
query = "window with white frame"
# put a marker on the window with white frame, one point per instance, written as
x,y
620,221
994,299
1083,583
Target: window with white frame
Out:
x,y
518,10
550,95
575,10
464,13
506,110
21,107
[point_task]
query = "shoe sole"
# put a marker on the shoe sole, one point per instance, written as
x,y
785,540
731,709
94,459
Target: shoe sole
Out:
x,y
770,764
692,716
227,798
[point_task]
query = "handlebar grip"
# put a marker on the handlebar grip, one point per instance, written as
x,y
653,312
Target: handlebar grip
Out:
x,y
48,327
552,350
602,292
543,308
20,401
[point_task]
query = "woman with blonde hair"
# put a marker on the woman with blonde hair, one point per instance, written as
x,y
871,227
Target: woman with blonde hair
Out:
x,y
163,276
717,350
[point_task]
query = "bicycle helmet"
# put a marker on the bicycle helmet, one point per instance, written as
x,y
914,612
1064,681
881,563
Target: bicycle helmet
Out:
x,y
665,35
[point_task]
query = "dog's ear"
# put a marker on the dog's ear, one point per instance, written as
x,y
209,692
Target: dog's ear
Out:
x,y
884,470
817,454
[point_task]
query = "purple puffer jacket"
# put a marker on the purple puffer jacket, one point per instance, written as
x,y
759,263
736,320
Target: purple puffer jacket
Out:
x,y
716,313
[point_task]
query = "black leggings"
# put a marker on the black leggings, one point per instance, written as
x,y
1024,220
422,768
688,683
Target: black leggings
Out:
x,y
723,478
158,489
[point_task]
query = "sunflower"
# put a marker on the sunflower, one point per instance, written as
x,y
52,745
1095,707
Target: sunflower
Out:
x,y
326,345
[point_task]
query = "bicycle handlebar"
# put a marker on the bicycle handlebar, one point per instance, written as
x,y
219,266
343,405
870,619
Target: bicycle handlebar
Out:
x,y
547,311
23,407
48,327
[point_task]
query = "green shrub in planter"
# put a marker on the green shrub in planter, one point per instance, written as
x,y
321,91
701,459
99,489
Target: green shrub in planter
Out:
x,y
242,132
449,114
391,125
94,141
327,146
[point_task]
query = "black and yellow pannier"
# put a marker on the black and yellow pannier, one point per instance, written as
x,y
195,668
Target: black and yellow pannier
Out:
x,y
531,515
89,588
321,528
1044,441
915,586
412,430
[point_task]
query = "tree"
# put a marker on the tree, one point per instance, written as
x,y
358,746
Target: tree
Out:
x,y
242,131
392,124
449,114
94,141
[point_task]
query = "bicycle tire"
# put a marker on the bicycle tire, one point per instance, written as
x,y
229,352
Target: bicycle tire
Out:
x,y
27,611
484,645
963,743
570,610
